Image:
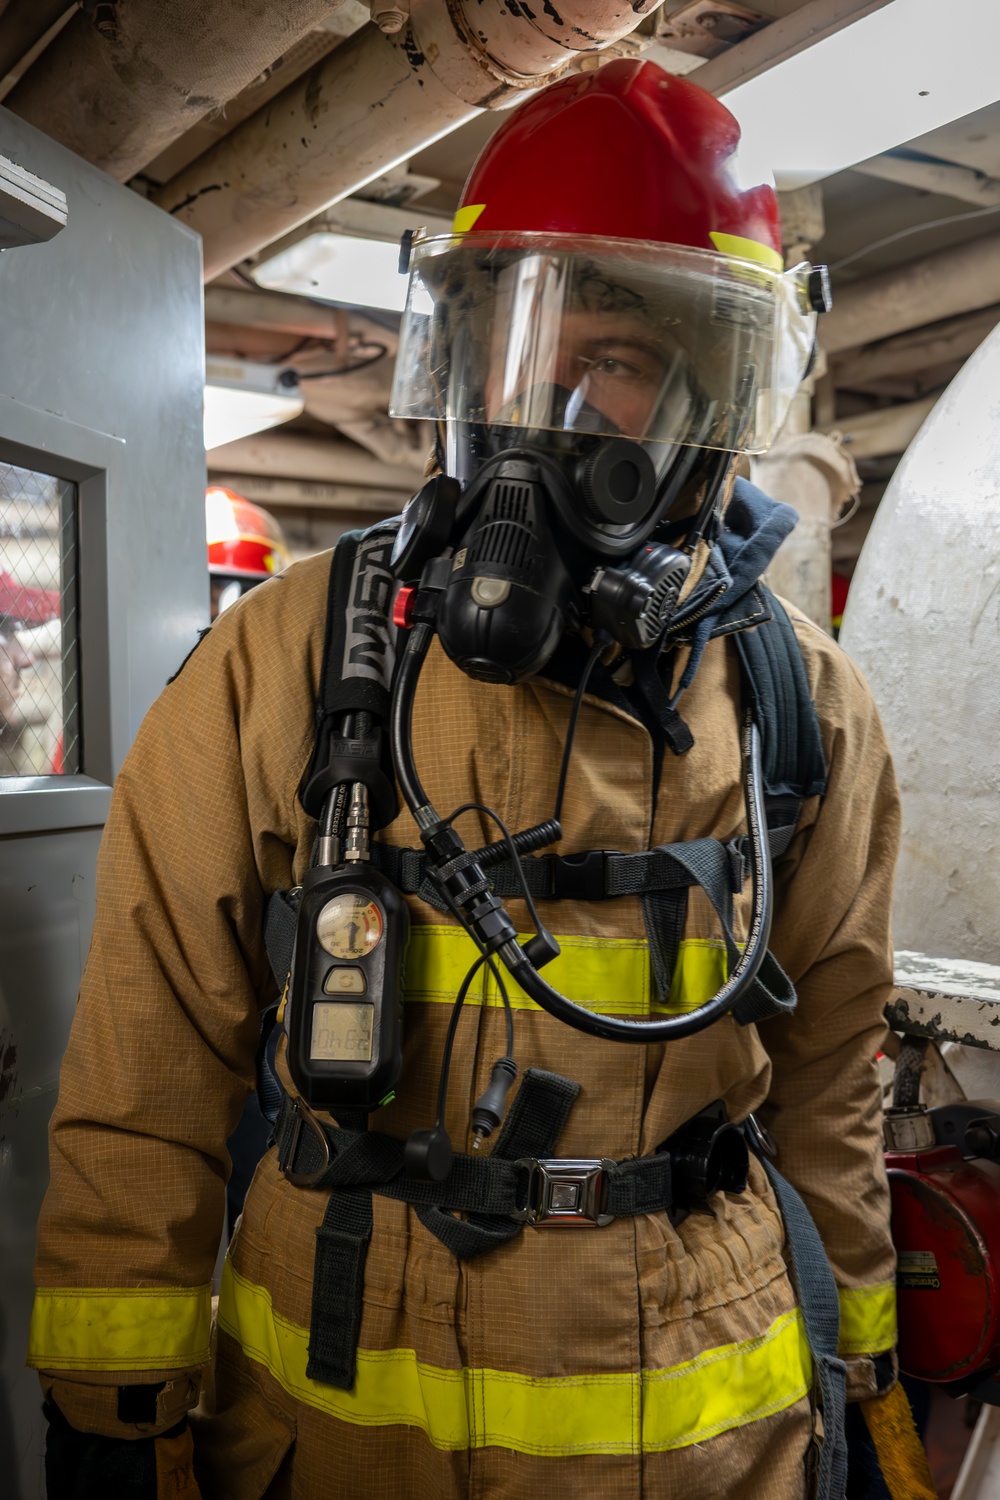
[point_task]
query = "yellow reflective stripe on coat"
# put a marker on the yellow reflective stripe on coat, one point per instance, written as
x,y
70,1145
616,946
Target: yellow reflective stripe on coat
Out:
x,y
120,1328
560,1416
613,975
868,1319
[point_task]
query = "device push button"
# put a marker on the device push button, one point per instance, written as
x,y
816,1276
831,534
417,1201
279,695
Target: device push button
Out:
x,y
345,980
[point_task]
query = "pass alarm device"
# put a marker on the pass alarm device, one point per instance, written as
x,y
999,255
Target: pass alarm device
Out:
x,y
344,1016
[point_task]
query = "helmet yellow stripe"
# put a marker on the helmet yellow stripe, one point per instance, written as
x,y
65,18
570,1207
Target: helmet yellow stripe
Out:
x,y
735,244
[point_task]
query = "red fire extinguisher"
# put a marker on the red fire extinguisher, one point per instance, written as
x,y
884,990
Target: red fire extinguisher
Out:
x,y
944,1177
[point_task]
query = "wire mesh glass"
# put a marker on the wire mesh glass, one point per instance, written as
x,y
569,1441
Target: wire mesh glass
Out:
x,y
39,634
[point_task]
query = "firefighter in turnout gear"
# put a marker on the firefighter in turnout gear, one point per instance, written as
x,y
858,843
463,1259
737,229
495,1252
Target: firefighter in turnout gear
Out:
x,y
611,314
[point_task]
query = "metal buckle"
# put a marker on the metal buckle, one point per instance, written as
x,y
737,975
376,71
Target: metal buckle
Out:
x,y
302,1115
761,1137
568,1192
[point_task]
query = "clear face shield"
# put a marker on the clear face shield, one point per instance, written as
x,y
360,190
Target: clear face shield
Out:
x,y
510,338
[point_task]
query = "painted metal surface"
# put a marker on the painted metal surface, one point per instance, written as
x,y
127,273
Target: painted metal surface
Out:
x,y
47,902
101,378
947,1001
923,623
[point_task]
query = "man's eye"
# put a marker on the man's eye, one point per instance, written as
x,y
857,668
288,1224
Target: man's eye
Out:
x,y
614,369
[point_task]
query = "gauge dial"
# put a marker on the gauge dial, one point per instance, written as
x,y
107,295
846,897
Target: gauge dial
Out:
x,y
349,926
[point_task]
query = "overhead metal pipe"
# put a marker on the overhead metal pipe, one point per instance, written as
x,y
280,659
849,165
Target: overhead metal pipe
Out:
x,y
929,176
373,103
278,311
297,455
122,82
877,434
25,23
937,286
921,349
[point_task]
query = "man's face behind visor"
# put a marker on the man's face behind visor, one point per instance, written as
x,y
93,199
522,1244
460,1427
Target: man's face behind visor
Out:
x,y
657,343
566,327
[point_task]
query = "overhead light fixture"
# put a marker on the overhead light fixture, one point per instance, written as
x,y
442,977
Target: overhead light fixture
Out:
x,y
242,397
894,74
350,255
338,268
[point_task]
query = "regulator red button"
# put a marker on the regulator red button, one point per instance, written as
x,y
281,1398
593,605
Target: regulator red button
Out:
x,y
402,609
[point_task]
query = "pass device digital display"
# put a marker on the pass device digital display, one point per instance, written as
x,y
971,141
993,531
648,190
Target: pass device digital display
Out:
x,y
341,1032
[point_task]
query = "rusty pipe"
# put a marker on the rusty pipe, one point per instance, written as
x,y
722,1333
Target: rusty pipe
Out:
x,y
373,103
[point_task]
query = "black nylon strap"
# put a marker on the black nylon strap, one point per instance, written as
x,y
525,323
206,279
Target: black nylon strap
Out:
x,y
279,933
794,764
338,1283
593,875
820,1305
536,1117
665,915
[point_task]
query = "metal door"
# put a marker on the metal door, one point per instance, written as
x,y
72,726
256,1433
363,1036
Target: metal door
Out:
x,y
102,591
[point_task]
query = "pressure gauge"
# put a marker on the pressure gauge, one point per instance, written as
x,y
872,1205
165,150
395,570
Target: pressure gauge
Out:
x,y
349,926
344,1015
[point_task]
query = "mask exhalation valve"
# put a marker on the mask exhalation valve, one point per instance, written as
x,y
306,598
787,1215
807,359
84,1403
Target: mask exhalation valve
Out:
x,y
636,603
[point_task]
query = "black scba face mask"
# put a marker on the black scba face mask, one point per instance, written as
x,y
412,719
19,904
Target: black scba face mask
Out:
x,y
553,531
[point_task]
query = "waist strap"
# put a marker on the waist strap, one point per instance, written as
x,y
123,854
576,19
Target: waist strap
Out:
x,y
313,1154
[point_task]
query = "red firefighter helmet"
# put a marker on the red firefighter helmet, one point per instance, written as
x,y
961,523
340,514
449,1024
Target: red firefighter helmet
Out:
x,y
25,605
615,268
246,545
628,152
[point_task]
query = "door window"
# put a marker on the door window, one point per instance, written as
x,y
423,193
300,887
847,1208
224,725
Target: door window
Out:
x,y
39,676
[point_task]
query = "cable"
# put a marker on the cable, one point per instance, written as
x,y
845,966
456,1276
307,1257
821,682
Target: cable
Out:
x,y
622,1029
449,1041
600,644
361,364
537,922
902,234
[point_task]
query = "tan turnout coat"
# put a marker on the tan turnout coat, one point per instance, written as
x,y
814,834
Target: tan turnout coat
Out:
x,y
636,1359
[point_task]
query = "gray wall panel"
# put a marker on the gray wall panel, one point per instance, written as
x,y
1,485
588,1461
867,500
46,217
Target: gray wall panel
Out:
x,y
103,325
101,369
47,902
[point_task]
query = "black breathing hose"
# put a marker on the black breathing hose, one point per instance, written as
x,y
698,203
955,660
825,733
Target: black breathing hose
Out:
x,y
513,956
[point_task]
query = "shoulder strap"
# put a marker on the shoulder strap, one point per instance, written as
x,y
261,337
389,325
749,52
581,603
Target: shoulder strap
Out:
x,y
775,676
358,661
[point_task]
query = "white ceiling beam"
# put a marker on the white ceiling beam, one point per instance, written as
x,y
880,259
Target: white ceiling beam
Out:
x,y
304,494
774,44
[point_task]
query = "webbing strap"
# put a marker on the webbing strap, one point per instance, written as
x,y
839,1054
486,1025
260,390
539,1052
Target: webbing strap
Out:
x,y
338,1282
592,875
536,1117
338,1277
664,914
820,1304
794,764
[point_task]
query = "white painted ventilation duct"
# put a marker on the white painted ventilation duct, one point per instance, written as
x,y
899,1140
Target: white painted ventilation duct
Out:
x,y
923,622
374,102
119,86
